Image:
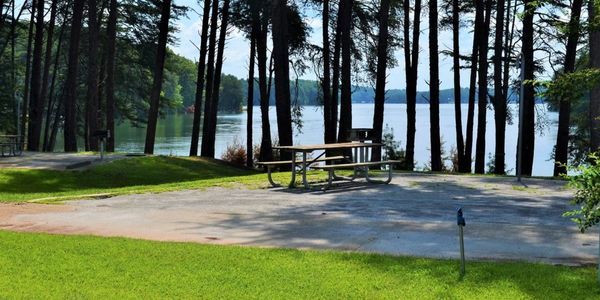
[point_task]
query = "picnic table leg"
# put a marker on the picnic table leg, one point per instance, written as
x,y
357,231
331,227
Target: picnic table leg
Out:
x,y
389,179
304,181
293,182
273,184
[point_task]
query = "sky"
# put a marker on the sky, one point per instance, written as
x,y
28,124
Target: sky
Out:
x,y
237,50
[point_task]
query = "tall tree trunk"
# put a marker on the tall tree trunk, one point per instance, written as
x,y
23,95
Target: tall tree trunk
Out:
x,y
499,96
210,73
326,80
266,150
335,76
411,60
111,32
209,139
50,93
382,55
281,59
36,107
201,77
527,136
346,73
472,88
27,84
460,143
595,93
46,73
434,89
561,153
482,89
163,35
92,78
70,95
250,99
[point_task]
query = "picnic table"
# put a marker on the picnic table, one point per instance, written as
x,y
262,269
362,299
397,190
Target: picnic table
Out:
x,y
360,157
11,145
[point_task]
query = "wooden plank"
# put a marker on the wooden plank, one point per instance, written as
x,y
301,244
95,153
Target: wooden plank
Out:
x,y
333,146
285,162
364,164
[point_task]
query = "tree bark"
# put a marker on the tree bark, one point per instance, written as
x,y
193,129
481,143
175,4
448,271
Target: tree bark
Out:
x,y
27,83
50,92
460,143
411,61
326,80
201,78
266,150
92,79
163,34
36,107
70,95
46,73
434,89
561,152
210,73
472,89
499,96
528,135
208,141
335,76
346,72
382,55
250,99
111,32
595,93
482,89
282,74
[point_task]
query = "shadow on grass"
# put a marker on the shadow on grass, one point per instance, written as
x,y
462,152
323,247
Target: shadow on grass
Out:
x,y
118,174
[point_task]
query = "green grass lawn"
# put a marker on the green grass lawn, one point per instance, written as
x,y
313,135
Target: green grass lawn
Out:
x,y
41,265
133,175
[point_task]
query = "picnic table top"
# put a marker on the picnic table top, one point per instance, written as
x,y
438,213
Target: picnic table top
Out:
x,y
309,148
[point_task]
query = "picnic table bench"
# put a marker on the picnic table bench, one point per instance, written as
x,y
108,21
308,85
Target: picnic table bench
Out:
x,y
272,164
359,165
10,145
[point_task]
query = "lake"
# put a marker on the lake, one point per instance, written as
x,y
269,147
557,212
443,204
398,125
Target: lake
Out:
x,y
174,131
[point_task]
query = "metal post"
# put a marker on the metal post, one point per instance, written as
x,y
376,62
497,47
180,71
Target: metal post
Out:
x,y
462,250
460,221
102,149
520,139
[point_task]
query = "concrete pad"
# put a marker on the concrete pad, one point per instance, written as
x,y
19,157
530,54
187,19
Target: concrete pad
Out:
x,y
415,215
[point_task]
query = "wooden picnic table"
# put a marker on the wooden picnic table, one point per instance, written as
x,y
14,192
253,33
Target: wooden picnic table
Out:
x,y
306,149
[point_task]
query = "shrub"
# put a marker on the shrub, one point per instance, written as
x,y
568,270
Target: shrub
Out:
x,y
235,154
587,196
391,148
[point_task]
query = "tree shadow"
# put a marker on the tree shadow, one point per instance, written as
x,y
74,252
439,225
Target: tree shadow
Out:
x,y
369,217
118,174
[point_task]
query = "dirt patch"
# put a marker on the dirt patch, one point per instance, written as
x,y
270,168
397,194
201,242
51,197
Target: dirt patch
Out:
x,y
9,210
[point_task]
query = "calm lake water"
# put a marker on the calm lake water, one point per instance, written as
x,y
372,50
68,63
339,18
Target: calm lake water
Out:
x,y
173,133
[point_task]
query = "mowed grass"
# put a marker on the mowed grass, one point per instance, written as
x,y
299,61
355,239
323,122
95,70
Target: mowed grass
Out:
x,y
133,175
55,266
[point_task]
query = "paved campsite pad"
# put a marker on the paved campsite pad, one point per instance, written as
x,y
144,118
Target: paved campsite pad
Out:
x,y
415,215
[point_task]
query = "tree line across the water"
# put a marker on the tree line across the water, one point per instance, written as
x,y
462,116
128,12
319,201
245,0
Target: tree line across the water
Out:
x,y
73,67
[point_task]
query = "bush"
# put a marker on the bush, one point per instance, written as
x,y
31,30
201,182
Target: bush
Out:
x,y
235,154
391,148
587,196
